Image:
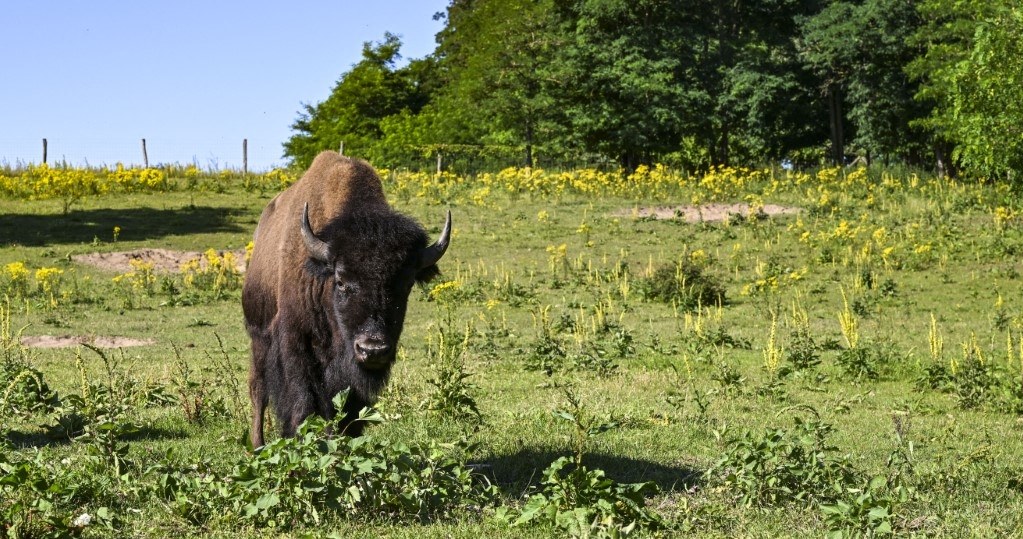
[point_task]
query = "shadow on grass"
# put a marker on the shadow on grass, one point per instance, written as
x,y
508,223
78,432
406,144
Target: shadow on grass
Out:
x,y
56,437
136,224
516,472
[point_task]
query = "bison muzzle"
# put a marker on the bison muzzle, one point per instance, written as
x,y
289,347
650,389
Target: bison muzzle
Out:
x,y
326,292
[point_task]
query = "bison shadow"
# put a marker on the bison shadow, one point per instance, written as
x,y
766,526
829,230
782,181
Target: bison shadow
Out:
x,y
516,472
136,224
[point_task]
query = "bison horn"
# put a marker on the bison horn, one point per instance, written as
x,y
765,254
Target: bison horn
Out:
x,y
318,249
433,253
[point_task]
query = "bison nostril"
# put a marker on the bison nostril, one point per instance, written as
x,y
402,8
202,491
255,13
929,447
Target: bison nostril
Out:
x,y
371,349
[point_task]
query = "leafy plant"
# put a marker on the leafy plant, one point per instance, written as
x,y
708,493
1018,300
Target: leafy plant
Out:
x,y
782,466
601,351
803,352
301,480
974,380
860,363
728,377
583,502
453,392
101,416
199,396
865,511
547,354
683,284
23,390
31,497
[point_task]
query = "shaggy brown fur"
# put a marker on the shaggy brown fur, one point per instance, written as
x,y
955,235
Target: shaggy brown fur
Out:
x,y
320,326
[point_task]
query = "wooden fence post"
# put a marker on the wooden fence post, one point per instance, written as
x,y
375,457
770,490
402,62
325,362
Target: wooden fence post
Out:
x,y
145,156
341,149
438,163
245,156
44,151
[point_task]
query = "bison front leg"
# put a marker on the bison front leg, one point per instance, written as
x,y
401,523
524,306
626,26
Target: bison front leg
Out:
x,y
294,397
257,394
293,413
257,387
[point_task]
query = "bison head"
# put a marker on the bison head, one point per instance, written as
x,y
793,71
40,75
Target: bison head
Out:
x,y
368,263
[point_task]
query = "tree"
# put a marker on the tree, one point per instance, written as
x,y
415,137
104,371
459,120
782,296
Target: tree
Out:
x,y
494,54
696,82
616,77
371,91
753,82
972,71
828,47
859,51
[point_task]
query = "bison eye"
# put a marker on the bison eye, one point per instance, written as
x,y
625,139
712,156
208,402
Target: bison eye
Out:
x,y
345,289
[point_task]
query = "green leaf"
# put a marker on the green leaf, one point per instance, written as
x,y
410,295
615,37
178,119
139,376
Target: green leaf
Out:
x,y
266,501
564,415
532,509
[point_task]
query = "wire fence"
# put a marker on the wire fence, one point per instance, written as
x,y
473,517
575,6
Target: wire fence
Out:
x,y
215,154
245,155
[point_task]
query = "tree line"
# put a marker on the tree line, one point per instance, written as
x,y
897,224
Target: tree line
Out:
x,y
691,83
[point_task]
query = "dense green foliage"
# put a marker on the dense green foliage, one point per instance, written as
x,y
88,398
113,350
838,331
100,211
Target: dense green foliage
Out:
x,y
973,71
691,83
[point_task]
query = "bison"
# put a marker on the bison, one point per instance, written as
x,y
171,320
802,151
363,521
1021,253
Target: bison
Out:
x,y
326,291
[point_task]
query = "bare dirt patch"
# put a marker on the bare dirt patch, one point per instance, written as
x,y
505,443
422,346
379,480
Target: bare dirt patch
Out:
x,y
708,213
66,341
163,260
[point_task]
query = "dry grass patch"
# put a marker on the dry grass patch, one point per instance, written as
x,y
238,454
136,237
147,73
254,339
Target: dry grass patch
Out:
x,y
163,260
67,341
714,212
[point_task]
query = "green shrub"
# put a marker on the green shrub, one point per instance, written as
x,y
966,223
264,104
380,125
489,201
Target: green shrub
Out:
x,y
453,392
684,284
583,502
299,481
780,466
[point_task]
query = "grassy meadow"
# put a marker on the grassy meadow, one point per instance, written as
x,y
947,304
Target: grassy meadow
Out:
x,y
853,370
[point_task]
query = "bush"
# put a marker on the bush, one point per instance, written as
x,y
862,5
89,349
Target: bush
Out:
x,y
23,391
683,284
584,502
298,481
782,466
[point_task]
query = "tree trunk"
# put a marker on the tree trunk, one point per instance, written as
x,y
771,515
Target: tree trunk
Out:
x,y
529,143
837,136
943,164
724,154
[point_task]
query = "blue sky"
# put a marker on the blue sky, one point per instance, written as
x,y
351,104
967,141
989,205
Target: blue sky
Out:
x,y
192,77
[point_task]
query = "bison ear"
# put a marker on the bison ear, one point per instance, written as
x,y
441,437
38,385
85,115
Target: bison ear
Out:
x,y
427,274
317,269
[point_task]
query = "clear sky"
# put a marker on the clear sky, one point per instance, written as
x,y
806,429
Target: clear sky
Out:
x,y
192,77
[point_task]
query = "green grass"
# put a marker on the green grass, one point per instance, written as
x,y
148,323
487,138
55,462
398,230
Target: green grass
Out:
x,y
679,395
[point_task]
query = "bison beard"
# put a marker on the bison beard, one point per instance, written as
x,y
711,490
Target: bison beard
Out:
x,y
326,292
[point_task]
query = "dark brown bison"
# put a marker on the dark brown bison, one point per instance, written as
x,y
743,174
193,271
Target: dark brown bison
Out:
x,y
326,291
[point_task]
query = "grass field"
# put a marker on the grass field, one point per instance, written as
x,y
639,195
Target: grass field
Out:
x,y
854,369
